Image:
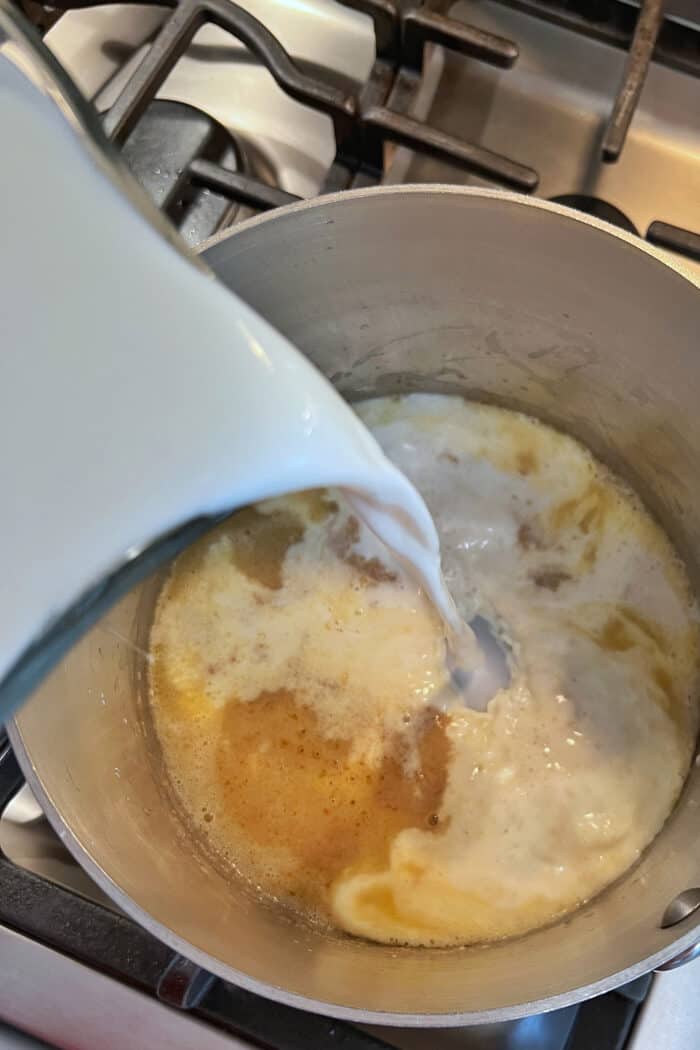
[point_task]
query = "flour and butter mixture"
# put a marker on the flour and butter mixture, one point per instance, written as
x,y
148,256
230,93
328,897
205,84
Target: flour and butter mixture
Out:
x,y
310,730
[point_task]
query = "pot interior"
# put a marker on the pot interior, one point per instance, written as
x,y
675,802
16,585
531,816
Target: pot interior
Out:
x,y
413,289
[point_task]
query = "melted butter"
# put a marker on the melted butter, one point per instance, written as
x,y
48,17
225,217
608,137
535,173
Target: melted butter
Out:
x,y
300,695
280,598
297,794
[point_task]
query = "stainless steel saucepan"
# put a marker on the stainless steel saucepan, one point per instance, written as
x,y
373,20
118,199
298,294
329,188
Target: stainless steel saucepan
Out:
x,y
416,288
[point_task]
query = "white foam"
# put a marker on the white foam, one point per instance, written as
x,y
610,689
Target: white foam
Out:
x,y
576,766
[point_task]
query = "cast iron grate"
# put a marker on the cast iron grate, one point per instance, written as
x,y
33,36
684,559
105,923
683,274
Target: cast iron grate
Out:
x,y
381,113
363,124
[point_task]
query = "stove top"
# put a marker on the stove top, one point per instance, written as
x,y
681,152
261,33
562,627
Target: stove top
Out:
x,y
302,99
222,112
552,111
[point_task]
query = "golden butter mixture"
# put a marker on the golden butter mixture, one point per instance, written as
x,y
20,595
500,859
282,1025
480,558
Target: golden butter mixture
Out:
x,y
309,728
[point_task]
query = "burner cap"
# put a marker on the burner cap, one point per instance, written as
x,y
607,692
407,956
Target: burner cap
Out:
x,y
160,149
598,208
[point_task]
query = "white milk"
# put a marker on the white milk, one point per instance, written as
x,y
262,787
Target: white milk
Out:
x,y
137,393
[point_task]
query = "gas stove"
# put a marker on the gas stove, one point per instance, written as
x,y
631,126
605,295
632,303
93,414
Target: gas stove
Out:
x,y
224,111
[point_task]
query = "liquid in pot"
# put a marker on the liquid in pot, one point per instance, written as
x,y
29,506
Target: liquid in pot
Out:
x,y
306,716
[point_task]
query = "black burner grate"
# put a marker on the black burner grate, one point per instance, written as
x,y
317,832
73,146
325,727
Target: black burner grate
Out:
x,y
381,113
362,125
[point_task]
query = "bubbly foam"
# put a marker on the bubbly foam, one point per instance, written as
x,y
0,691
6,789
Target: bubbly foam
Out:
x,y
304,709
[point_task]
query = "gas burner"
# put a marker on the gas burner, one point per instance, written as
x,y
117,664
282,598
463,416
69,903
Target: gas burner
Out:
x,y
161,149
598,208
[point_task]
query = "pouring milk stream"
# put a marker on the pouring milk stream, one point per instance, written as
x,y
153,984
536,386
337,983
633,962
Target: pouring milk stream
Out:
x,y
138,393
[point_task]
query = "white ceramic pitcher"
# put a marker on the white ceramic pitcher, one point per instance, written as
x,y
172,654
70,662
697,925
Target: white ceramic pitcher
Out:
x,y
139,398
